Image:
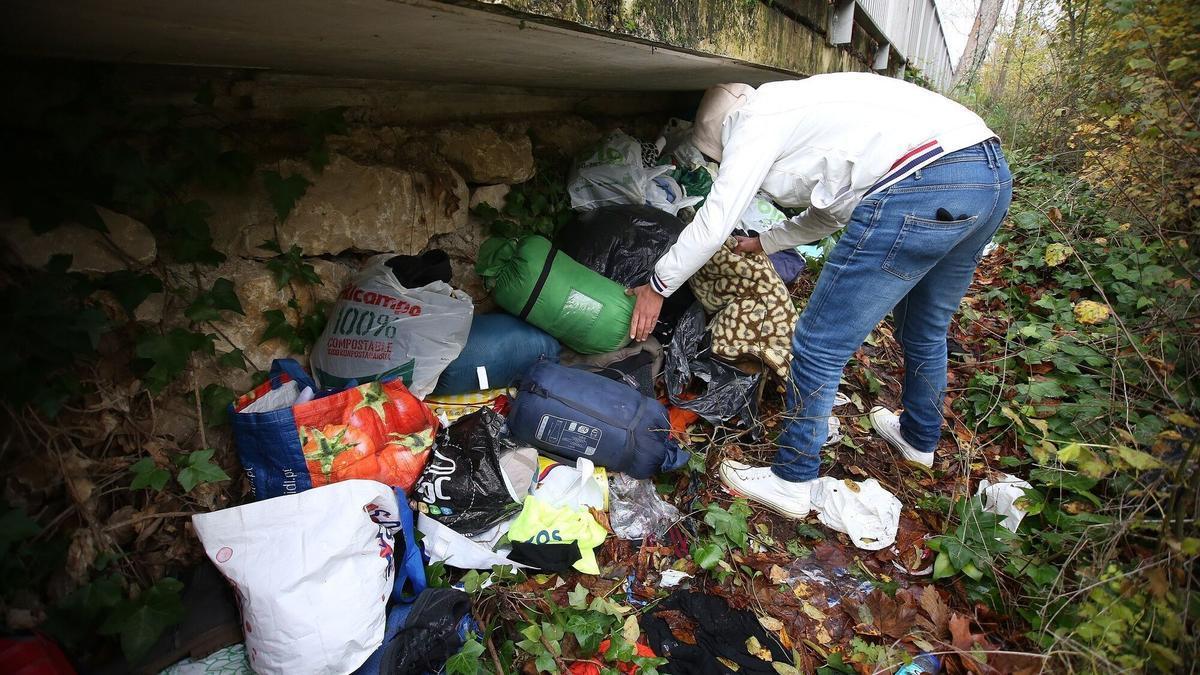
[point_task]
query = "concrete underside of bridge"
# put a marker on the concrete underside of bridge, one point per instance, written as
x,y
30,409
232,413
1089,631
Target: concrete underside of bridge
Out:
x,y
607,45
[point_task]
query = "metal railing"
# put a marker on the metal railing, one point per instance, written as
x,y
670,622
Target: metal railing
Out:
x,y
908,30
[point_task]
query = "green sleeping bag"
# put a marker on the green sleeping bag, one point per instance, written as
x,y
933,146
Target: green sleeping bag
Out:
x,y
584,310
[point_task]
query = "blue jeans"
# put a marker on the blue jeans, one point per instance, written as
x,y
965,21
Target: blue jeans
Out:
x,y
894,256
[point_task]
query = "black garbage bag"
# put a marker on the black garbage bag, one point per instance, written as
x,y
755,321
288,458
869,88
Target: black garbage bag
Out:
x,y
463,485
728,392
623,243
431,633
720,632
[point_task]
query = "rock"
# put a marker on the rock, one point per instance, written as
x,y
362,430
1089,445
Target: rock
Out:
x,y
255,288
565,136
462,246
91,251
348,207
483,155
492,195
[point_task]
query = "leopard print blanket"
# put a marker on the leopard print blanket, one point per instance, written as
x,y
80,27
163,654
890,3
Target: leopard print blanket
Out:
x,y
753,313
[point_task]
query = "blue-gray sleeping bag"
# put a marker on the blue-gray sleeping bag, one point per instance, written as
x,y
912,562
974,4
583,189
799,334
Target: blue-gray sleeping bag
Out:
x,y
573,413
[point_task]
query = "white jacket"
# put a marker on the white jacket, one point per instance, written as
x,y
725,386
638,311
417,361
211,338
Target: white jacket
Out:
x,y
822,143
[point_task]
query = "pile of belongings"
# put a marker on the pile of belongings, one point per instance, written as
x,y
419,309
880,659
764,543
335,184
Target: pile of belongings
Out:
x,y
521,438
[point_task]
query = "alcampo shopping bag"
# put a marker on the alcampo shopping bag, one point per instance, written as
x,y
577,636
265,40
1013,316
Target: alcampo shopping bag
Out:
x,y
290,437
380,329
313,572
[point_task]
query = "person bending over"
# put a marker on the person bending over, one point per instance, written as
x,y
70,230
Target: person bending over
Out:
x,y
920,186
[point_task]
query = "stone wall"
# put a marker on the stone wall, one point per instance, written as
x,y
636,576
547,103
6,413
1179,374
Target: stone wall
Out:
x,y
389,187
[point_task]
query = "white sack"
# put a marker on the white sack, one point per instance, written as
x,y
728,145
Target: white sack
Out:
x,y
312,572
869,514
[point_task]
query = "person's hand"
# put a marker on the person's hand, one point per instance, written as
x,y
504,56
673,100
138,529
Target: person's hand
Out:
x,y
748,245
645,311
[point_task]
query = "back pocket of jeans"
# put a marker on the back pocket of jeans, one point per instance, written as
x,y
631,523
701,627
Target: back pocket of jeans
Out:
x,y
921,243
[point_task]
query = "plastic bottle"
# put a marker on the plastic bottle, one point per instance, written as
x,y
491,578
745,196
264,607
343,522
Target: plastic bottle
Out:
x,y
922,663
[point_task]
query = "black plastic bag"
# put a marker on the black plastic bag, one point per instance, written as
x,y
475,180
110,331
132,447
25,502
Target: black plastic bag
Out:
x,y
463,486
728,392
623,243
431,633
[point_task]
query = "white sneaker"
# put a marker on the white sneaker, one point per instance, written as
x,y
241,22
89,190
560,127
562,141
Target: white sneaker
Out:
x,y
760,484
887,424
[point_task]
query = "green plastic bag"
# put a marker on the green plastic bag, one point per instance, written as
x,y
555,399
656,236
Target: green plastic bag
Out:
x,y
584,310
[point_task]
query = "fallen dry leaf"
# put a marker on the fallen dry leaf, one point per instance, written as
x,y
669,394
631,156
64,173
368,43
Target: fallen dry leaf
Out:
x,y
729,664
812,612
770,623
777,574
757,650
937,612
681,625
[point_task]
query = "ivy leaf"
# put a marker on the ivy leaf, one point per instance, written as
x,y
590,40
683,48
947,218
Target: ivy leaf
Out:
x,y
140,622
169,353
708,555
284,192
208,305
232,359
214,403
147,474
588,628
729,524
198,467
15,526
578,597
186,234
466,661
130,288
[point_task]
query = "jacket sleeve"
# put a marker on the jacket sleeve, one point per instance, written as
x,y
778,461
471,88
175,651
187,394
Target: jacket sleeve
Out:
x,y
753,146
811,225
832,204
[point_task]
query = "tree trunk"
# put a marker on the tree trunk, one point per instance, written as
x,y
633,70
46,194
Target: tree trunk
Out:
x,y
998,90
977,41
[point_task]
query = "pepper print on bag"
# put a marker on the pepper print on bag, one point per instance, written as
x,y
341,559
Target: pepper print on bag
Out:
x,y
377,431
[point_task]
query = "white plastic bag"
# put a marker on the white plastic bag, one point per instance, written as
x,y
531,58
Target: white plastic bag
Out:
x,y
761,215
613,174
666,194
1000,497
867,513
379,329
312,572
581,486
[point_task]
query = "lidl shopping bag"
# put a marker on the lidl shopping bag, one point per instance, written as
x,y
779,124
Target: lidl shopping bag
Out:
x,y
291,438
382,330
313,572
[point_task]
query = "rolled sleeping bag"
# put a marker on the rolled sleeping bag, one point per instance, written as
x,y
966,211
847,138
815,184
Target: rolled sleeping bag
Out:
x,y
531,279
572,413
499,349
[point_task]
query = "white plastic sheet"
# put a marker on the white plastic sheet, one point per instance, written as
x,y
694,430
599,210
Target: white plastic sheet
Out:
x,y
312,572
1000,497
866,512
443,544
